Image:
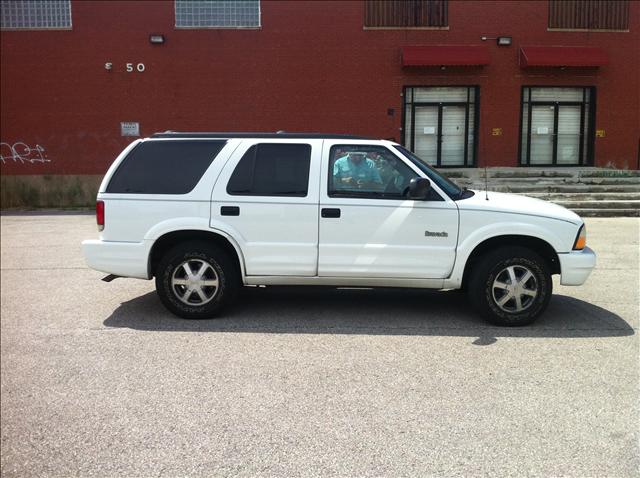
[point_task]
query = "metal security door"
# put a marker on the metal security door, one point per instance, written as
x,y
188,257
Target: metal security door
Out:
x,y
439,133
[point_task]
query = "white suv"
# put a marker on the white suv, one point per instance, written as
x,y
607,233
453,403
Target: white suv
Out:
x,y
206,214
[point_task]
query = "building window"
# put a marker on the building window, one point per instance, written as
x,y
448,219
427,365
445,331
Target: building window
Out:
x,y
217,13
557,126
36,14
440,124
405,13
589,14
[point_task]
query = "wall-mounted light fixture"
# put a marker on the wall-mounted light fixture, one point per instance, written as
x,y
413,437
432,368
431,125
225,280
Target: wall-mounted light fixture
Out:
x,y
156,39
501,41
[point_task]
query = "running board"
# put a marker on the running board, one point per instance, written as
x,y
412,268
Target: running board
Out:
x,y
109,278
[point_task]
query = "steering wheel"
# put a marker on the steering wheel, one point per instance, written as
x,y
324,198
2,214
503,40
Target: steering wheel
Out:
x,y
391,186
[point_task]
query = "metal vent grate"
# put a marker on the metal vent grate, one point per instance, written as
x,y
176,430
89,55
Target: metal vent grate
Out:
x,y
217,13
35,14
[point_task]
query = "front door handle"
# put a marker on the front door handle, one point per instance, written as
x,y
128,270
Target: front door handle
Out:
x,y
330,212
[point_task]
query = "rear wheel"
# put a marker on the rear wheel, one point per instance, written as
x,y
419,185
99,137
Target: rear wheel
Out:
x,y
196,280
510,286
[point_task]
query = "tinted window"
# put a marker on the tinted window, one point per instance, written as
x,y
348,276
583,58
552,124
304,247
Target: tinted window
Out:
x,y
164,167
272,170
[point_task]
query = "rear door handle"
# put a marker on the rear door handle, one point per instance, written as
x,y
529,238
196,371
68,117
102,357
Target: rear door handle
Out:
x,y
330,212
229,211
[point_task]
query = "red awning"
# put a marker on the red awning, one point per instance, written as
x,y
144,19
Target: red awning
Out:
x,y
445,55
562,56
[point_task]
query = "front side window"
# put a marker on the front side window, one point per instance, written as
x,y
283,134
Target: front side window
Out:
x,y
369,172
35,14
405,13
217,13
450,188
272,169
164,167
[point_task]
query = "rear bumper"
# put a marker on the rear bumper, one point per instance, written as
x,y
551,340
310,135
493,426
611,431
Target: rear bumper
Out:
x,y
126,259
575,266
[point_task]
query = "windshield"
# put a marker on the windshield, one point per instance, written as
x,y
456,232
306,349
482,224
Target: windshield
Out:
x,y
449,187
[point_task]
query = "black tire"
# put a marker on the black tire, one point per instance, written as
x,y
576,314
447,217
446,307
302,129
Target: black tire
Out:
x,y
210,300
490,283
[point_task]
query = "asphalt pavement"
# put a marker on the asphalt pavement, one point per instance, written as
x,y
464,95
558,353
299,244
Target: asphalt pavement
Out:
x,y
98,379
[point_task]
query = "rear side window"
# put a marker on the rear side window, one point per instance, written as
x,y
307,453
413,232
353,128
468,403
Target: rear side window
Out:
x,y
269,169
164,167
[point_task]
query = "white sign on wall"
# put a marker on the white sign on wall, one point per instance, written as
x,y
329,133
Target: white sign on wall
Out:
x,y
430,130
129,129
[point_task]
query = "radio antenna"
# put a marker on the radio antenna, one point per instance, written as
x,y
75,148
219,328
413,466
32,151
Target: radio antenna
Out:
x,y
486,185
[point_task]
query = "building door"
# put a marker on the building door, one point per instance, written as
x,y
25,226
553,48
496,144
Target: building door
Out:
x,y
557,127
439,124
426,119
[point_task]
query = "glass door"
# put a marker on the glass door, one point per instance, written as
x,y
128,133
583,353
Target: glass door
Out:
x,y
426,139
568,137
452,136
439,124
542,134
557,126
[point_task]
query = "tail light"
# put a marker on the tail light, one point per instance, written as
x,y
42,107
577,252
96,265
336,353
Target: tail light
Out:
x,y
100,215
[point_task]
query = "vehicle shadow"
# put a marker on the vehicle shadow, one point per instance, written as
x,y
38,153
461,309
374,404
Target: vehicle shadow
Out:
x,y
309,310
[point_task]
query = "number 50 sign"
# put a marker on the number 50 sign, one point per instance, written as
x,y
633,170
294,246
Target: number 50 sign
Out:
x,y
129,67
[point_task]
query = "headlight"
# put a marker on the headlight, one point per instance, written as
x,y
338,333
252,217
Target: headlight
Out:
x,y
581,239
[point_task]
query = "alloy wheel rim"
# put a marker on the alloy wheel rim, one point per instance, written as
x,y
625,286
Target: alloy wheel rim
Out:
x,y
195,282
514,289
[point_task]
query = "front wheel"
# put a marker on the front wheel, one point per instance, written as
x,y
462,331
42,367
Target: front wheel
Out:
x,y
510,286
196,280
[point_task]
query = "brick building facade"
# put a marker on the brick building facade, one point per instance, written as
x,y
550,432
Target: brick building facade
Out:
x,y
462,83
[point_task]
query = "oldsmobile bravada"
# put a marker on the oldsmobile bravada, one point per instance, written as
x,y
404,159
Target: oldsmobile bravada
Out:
x,y
208,213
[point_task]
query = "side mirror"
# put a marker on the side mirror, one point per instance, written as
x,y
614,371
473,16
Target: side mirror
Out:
x,y
419,188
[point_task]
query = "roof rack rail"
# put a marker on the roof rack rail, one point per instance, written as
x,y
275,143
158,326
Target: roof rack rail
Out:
x,y
279,134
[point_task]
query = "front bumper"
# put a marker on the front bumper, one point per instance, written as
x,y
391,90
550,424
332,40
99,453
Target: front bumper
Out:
x,y
575,266
126,259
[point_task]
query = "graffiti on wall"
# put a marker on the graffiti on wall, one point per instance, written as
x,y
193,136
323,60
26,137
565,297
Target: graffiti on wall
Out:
x,y
23,153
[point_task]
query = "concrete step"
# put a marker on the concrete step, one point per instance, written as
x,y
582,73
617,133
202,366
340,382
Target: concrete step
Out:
x,y
587,212
551,172
610,173
598,196
552,180
599,204
590,192
562,189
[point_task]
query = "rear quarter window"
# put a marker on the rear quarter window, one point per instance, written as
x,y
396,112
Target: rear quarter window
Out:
x,y
272,169
164,167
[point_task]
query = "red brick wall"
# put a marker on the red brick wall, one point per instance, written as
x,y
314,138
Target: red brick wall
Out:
x,y
311,67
